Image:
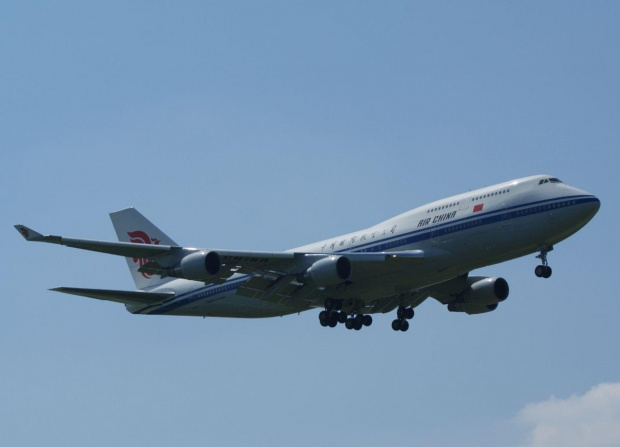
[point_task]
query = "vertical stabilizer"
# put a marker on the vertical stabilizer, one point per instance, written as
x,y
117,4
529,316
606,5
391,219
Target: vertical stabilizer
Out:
x,y
131,226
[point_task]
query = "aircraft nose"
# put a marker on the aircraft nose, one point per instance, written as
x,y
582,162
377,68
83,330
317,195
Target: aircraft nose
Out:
x,y
590,204
594,205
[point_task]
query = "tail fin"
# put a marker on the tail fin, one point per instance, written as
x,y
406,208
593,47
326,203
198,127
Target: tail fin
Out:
x,y
131,226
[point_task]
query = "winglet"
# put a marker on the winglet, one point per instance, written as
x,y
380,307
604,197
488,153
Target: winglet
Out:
x,y
28,233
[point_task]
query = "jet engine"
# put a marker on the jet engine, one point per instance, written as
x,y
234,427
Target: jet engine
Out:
x,y
329,271
198,266
481,296
486,291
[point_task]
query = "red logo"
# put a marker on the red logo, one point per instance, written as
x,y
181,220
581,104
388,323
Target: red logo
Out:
x,y
140,237
478,207
24,232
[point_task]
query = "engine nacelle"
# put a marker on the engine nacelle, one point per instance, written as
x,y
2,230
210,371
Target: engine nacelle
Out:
x,y
330,271
198,266
485,291
471,309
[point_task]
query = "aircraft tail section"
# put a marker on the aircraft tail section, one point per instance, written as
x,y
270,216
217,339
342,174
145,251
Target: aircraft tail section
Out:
x,y
131,226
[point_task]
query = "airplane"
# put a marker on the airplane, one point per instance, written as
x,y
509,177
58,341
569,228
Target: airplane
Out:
x,y
395,265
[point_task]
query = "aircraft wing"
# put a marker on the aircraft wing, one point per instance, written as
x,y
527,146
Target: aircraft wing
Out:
x,y
285,268
127,249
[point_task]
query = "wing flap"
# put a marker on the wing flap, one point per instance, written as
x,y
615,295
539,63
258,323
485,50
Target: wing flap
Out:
x,y
118,296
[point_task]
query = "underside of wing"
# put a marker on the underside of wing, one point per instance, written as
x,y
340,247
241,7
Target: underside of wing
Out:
x,y
118,296
308,276
281,290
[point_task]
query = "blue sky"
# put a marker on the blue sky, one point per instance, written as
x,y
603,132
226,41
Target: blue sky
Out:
x,y
270,125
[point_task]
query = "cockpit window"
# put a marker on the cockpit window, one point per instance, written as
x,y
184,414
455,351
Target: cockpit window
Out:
x,y
550,180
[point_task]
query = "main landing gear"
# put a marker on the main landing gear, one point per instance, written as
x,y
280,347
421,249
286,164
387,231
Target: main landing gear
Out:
x,y
543,270
358,321
333,314
403,314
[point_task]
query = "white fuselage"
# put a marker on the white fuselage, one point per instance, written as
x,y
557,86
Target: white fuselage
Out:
x,y
459,233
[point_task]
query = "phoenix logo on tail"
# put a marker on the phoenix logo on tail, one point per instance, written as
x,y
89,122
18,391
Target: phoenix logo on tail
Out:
x,y
140,237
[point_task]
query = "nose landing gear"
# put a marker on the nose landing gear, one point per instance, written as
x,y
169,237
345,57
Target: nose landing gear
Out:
x,y
543,270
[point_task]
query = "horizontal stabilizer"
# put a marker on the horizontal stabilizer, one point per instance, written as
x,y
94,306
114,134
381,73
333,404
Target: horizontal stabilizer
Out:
x,y
118,296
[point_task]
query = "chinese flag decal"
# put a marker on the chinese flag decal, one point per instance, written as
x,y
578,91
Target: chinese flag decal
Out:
x,y
478,207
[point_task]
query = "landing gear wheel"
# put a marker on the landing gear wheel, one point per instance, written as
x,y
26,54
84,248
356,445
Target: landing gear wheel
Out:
x,y
342,317
329,304
333,319
409,313
404,325
539,271
367,320
357,324
401,312
396,325
543,271
349,323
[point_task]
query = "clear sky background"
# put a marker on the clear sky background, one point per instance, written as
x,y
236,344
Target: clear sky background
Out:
x,y
269,125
